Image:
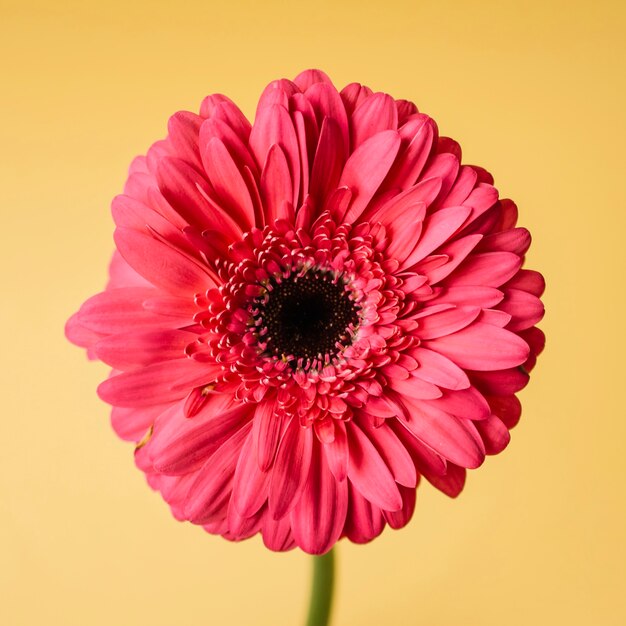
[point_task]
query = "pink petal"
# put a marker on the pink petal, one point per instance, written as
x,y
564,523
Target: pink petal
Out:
x,y
132,213
528,280
120,310
417,139
507,408
525,309
509,215
439,370
485,223
217,524
466,403
162,265
483,197
190,195
379,407
437,229
266,432
427,461
301,108
291,468
393,453
217,129
139,165
278,93
276,186
157,383
442,432
78,334
375,114
251,485
305,215
482,347
406,109
404,232
180,311
452,482
220,107
157,151
353,94
230,188
489,269
471,428
455,253
535,338
336,453
274,126
129,350
484,297
183,128
368,472
415,388
303,154
180,185
319,516
325,429
142,457
255,194
449,145
338,201
463,185
420,194
399,519
123,275
515,240
494,433
329,160
310,77
131,424
494,317
446,167
412,282
327,102
174,490
400,213
432,264
364,521
441,323
138,186
403,222
211,491
500,382
240,527
277,535
180,445
366,168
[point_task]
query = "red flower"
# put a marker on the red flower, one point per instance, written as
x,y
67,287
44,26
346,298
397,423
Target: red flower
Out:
x,y
306,315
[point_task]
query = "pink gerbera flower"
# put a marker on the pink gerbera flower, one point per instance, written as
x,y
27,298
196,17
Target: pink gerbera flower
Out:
x,y
308,314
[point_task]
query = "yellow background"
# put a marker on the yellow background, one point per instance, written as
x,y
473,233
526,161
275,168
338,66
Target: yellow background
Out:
x,y
534,91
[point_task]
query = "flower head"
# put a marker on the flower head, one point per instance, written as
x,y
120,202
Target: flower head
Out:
x,y
308,314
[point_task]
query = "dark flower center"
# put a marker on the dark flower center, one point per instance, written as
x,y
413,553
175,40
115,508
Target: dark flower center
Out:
x,y
307,318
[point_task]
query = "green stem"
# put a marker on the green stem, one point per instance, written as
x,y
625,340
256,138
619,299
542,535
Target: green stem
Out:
x,y
322,590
